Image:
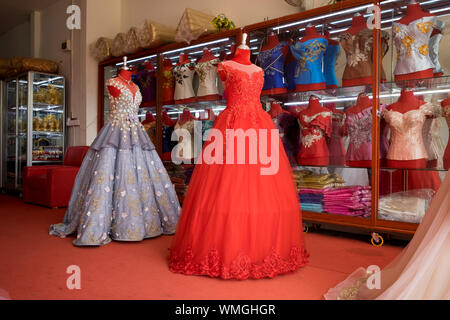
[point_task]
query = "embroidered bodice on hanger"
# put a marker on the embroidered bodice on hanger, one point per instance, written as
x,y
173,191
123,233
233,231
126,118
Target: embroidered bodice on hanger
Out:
x,y
207,73
168,84
412,43
184,76
358,49
310,56
272,62
406,142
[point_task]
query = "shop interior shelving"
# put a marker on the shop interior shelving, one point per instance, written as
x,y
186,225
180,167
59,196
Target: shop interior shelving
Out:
x,y
335,20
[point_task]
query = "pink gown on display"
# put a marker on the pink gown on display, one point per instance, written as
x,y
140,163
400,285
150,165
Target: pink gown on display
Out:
x,y
236,223
421,271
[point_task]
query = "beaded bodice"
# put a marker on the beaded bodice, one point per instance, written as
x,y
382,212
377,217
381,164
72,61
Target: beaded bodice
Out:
x,y
124,108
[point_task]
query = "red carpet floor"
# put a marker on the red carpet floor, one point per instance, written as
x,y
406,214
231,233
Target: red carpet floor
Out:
x,y
33,265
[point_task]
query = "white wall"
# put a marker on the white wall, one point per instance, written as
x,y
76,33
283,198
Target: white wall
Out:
x,y
16,42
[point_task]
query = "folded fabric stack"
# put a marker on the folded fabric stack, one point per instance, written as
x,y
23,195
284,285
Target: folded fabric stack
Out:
x,y
311,188
306,179
349,201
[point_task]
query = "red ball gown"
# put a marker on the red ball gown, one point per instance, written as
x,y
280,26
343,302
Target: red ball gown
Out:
x,y
235,222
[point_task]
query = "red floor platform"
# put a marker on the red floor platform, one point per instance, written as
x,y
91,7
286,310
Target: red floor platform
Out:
x,y
33,265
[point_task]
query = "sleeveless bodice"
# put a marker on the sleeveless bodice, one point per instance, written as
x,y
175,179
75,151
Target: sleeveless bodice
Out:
x,y
358,50
243,84
310,57
184,76
412,43
406,142
207,73
272,62
359,128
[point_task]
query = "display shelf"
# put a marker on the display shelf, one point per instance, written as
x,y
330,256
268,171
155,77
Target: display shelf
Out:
x,y
34,101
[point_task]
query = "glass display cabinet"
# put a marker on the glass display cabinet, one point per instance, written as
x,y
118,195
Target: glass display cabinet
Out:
x,y
329,77
34,122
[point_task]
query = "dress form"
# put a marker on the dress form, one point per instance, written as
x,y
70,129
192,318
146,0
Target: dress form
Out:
x,y
149,118
184,60
275,109
186,116
413,13
290,67
208,56
167,120
125,78
242,56
363,102
406,102
358,24
311,34
314,119
149,66
272,86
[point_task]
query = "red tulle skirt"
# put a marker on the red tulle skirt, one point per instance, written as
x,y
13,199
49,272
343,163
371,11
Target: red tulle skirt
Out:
x,y
236,223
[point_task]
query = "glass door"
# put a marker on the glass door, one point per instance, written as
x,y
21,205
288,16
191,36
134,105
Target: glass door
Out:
x,y
48,118
11,133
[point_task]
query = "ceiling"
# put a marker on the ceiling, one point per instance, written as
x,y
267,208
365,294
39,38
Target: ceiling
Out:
x,y
15,12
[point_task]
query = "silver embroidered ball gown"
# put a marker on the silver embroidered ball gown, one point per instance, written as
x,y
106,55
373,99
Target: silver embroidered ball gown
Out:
x,y
122,191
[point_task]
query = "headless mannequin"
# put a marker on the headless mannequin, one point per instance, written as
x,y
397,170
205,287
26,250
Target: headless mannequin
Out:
x,y
272,42
208,56
167,120
413,13
125,78
149,66
184,59
186,116
358,24
362,103
211,116
406,102
242,56
314,107
276,110
149,118
230,56
310,34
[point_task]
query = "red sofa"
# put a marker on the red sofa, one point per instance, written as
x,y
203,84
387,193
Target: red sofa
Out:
x,y
51,186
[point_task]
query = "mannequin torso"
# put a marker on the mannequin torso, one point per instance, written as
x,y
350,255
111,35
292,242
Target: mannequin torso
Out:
x,y
206,69
125,78
271,60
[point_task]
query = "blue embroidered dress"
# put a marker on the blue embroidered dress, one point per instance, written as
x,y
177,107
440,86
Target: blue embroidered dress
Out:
x,y
272,62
